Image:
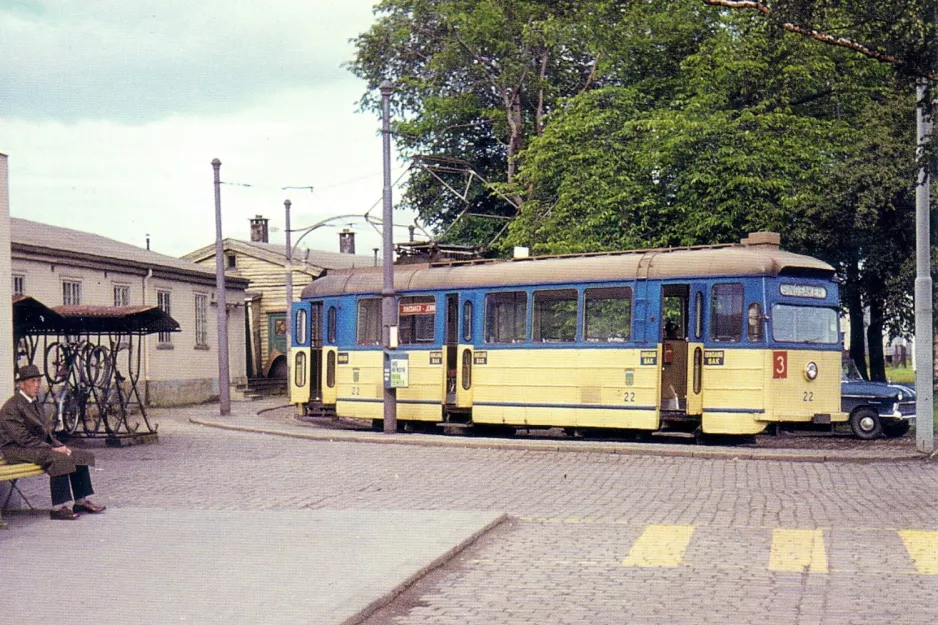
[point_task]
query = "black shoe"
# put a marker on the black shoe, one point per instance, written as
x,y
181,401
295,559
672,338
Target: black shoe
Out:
x,y
63,514
90,508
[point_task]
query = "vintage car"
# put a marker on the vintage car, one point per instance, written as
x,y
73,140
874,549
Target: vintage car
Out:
x,y
875,408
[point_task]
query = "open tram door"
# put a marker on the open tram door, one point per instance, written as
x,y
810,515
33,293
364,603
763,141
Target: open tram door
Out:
x,y
681,350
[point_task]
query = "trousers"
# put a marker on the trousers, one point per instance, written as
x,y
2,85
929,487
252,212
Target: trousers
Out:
x,y
77,483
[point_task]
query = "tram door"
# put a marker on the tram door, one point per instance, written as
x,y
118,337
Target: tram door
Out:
x,y
674,348
452,345
315,359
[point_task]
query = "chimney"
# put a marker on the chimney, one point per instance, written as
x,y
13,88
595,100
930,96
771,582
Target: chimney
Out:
x,y
259,229
346,242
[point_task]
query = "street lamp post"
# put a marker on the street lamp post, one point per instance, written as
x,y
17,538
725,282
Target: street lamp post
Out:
x,y
224,390
388,303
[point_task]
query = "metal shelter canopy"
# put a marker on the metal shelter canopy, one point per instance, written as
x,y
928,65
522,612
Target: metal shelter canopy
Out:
x,y
110,319
32,317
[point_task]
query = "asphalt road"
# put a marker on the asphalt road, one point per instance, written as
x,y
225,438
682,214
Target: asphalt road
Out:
x,y
592,537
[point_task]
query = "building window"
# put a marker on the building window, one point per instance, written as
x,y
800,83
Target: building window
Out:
x,y
19,285
201,320
162,300
121,295
231,261
71,293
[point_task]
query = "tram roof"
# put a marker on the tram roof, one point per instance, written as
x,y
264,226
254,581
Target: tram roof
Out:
x,y
757,255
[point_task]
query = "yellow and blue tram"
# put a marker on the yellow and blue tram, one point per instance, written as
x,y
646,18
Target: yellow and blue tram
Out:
x,y
718,339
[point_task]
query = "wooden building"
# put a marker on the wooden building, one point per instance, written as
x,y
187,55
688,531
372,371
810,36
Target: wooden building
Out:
x,y
264,265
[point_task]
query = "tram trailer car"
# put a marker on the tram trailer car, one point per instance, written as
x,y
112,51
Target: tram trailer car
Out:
x,y
719,340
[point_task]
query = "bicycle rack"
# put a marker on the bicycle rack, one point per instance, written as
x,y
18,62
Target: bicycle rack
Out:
x,y
91,357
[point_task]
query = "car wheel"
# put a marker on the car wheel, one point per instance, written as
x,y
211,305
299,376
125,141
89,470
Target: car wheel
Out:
x,y
895,429
866,424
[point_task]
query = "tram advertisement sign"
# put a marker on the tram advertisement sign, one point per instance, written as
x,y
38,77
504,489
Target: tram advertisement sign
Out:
x,y
396,369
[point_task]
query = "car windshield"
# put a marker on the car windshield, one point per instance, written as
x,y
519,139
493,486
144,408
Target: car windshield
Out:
x,y
850,371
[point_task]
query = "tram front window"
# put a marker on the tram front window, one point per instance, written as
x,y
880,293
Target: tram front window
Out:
x,y
805,324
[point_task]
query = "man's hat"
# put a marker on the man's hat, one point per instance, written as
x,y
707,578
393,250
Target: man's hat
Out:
x,y
28,372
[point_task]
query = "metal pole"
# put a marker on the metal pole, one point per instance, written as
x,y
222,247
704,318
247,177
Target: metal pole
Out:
x,y
224,390
289,283
388,303
924,363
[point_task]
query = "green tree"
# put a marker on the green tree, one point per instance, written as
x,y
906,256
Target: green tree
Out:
x,y
474,81
904,35
765,132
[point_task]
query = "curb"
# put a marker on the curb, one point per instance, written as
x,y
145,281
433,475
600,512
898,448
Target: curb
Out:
x,y
395,592
636,449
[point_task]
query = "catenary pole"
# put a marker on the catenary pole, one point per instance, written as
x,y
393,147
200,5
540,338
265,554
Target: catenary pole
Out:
x,y
224,390
289,284
388,304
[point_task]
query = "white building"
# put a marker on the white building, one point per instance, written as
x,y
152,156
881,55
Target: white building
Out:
x,y
58,266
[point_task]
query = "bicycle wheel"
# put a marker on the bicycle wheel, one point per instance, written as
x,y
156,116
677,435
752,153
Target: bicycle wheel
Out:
x,y
55,361
115,413
97,365
67,410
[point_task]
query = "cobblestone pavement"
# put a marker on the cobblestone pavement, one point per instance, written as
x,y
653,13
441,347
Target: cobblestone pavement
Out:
x,y
592,537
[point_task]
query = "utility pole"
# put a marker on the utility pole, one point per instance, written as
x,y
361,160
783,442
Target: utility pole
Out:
x,y
388,302
289,282
924,348
224,388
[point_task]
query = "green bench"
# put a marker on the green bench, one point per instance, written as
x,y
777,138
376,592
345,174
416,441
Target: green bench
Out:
x,y
12,473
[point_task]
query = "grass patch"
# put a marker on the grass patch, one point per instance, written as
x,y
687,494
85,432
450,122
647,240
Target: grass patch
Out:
x,y
900,375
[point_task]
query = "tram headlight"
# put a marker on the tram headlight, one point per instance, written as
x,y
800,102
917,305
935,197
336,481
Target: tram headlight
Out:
x,y
810,371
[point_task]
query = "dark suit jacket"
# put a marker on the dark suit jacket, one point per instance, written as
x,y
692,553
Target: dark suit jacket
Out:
x,y
26,436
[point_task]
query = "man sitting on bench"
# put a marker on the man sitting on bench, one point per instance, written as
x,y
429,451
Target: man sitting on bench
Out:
x,y
26,436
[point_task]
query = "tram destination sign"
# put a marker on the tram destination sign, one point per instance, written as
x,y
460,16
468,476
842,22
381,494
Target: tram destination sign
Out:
x,y
802,290
713,357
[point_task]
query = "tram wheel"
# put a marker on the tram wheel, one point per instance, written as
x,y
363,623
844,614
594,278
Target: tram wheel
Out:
x,y
866,424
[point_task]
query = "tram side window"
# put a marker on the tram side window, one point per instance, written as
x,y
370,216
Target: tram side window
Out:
x,y
467,321
417,316
506,317
754,323
608,315
369,321
299,331
555,316
726,313
331,323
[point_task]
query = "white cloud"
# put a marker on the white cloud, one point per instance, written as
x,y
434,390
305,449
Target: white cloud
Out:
x,y
130,102
136,61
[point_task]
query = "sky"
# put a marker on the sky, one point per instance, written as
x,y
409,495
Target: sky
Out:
x,y
112,111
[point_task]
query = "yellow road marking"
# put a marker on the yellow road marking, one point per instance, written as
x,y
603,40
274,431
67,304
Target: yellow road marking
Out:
x,y
660,545
798,551
923,549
